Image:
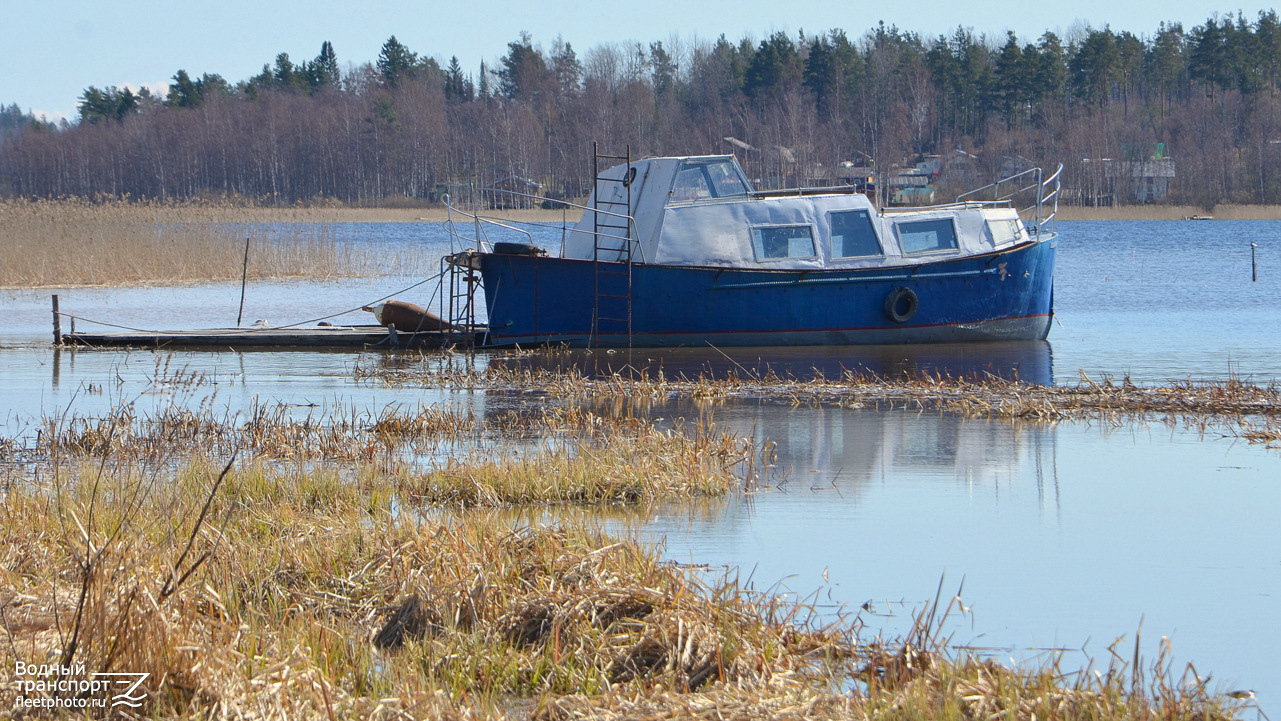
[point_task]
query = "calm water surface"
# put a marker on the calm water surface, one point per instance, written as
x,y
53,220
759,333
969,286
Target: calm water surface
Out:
x,y
1066,536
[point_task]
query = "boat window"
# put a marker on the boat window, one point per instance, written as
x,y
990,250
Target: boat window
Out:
x,y
787,241
691,184
923,236
700,179
853,235
725,180
1005,231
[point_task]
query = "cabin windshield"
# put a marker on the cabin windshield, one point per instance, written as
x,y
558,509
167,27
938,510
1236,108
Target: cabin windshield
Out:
x,y
703,179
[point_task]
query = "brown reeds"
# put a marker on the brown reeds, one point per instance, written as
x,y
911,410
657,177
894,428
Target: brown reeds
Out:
x,y
343,569
1222,211
238,603
431,455
642,464
75,242
116,242
242,604
984,397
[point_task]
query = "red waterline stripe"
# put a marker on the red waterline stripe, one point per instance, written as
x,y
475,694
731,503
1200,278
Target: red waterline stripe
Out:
x,y
794,330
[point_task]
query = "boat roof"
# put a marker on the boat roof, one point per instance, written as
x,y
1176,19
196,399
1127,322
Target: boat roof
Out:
x,y
701,210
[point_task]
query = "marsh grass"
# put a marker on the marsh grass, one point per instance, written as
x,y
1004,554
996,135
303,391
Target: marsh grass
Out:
x,y
641,465
322,601
299,564
1222,211
75,242
248,593
429,454
980,397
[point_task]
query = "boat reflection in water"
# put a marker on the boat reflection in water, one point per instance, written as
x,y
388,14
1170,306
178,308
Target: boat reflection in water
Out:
x,y
1028,361
842,450
874,505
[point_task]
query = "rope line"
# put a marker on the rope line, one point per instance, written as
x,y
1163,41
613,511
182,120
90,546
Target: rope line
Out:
x,y
238,331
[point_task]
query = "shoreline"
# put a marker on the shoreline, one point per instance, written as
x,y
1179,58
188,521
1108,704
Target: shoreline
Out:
x,y
132,212
75,243
1171,212
440,215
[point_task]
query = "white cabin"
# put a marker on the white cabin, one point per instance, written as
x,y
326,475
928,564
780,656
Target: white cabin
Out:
x,y
701,211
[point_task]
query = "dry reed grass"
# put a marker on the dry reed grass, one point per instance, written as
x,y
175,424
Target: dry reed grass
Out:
x,y
1170,212
984,397
304,585
75,242
644,465
241,604
430,455
245,604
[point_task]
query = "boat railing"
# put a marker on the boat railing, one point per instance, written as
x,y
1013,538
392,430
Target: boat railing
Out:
x,y
816,190
481,240
1006,192
898,209
1051,197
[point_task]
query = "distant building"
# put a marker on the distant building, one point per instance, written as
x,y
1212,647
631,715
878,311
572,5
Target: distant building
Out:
x,y
511,192
914,197
910,185
771,167
1149,180
1142,175
921,183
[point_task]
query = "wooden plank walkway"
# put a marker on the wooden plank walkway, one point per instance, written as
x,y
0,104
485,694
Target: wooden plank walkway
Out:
x,y
309,338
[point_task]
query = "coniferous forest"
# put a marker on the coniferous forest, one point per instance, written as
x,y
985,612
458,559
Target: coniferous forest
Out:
x,y
797,110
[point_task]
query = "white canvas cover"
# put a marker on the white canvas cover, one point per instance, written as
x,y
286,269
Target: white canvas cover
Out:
x,y
649,188
788,232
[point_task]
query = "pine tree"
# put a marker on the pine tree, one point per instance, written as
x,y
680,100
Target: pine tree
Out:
x,y
775,66
286,76
568,71
324,69
109,104
662,69
457,88
395,62
1011,80
483,89
1209,61
184,92
524,73
1096,66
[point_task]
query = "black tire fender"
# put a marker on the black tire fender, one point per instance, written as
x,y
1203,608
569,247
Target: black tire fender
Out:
x,y
901,304
518,249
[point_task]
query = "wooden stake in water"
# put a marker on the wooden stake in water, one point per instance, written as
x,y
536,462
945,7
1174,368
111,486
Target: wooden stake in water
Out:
x,y
244,275
57,322
1254,267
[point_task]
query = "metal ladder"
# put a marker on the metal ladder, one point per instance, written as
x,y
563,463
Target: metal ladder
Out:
x,y
460,310
612,234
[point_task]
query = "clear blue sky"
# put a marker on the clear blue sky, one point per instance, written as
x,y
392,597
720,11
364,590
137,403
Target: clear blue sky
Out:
x,y
53,50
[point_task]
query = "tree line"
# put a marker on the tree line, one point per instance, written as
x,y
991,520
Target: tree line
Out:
x,y
809,109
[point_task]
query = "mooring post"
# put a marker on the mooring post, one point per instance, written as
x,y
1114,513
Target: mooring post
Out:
x,y
57,322
244,276
1254,267
393,340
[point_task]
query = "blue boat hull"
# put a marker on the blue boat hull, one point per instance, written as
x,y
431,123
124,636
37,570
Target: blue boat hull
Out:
x,y
1005,295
